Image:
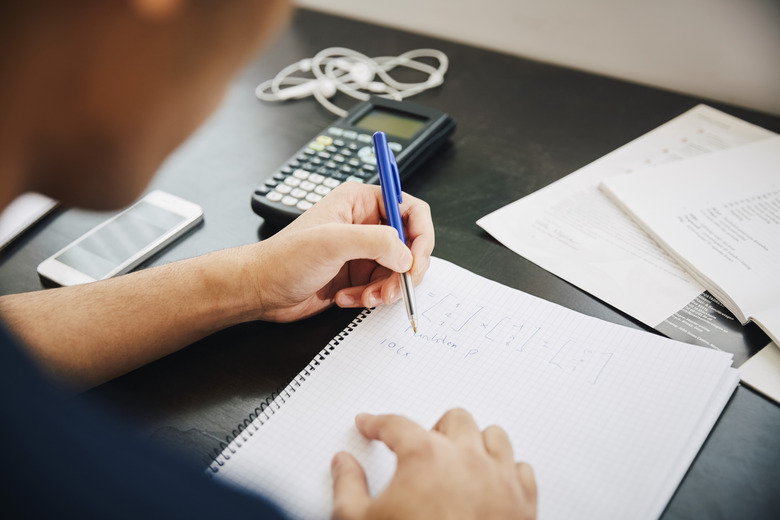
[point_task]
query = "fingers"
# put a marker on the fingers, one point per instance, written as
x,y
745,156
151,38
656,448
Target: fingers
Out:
x,y
385,288
379,243
381,292
400,434
416,215
525,475
460,426
347,243
457,424
420,267
497,444
354,203
454,453
351,498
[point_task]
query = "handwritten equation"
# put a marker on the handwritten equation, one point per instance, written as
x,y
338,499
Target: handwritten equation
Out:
x,y
452,324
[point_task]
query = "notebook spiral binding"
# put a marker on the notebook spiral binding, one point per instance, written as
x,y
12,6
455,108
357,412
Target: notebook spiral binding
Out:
x,y
267,409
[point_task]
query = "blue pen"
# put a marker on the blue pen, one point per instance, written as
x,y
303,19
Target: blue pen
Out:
x,y
390,181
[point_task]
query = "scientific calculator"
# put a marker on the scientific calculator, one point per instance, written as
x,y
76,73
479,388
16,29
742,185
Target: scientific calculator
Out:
x,y
344,152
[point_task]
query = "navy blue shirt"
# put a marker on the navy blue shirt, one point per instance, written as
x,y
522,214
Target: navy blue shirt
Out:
x,y
67,458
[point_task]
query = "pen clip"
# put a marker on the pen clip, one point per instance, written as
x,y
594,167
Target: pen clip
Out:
x,y
396,175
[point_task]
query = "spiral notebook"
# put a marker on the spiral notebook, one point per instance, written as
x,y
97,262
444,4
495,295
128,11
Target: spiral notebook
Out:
x,y
609,417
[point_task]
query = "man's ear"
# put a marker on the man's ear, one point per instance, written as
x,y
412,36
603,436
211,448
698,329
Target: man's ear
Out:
x,y
158,9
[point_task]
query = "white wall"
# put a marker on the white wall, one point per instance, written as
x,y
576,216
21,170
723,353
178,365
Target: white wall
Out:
x,y
726,50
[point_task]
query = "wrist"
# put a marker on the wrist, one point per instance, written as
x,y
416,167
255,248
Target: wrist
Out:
x,y
231,283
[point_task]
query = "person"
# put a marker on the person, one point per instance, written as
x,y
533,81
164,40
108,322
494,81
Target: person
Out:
x,y
94,94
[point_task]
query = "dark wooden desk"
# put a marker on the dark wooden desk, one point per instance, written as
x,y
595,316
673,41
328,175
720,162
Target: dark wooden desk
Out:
x,y
521,125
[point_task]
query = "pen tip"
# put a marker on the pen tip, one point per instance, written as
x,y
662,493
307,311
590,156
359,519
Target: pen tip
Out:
x,y
414,326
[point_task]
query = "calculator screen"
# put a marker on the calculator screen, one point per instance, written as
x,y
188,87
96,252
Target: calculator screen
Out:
x,y
391,122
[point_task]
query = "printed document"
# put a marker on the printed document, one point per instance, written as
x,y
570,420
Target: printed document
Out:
x,y
573,230
718,215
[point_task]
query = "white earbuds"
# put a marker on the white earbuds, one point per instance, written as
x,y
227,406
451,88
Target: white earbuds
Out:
x,y
338,69
302,90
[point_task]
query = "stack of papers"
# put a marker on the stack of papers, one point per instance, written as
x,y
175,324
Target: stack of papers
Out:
x,y
572,229
718,216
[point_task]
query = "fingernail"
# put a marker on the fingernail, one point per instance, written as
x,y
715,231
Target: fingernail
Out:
x,y
335,464
373,300
360,418
408,259
345,300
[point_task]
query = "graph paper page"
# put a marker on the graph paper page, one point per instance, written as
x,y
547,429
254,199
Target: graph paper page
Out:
x,y
602,412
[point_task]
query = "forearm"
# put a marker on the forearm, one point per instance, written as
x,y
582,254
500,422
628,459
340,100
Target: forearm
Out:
x,y
85,335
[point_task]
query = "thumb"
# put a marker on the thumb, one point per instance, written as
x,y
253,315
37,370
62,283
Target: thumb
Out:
x,y
350,488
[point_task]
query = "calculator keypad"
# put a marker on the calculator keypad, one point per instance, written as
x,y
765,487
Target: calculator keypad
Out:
x,y
330,159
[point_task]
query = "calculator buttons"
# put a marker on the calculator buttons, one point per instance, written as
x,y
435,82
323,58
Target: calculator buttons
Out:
x,y
366,155
274,196
396,147
334,157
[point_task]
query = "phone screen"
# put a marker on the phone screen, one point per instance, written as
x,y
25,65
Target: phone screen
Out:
x,y
101,252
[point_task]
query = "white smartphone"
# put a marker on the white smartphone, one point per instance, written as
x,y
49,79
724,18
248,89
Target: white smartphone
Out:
x,y
122,242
